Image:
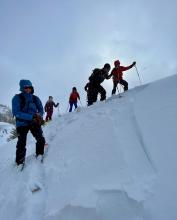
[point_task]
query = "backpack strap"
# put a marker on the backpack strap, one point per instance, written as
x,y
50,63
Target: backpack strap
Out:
x,y
23,100
35,100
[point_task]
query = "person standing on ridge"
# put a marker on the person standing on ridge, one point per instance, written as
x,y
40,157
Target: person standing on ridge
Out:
x,y
74,96
93,87
49,108
117,75
28,111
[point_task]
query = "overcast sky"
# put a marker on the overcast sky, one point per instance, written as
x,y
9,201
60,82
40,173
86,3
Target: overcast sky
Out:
x,y
56,44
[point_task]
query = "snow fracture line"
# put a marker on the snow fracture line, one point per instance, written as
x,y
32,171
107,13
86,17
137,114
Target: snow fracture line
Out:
x,y
140,136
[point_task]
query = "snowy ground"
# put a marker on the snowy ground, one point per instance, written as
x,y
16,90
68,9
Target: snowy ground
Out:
x,y
5,129
113,160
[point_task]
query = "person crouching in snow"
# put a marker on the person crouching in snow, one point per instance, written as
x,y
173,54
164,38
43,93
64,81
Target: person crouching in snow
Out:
x,y
49,108
74,96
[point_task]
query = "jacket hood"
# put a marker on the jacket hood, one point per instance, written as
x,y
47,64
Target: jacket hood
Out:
x,y
23,83
117,63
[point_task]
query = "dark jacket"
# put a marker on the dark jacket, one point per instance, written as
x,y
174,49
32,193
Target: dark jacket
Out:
x,y
49,106
98,76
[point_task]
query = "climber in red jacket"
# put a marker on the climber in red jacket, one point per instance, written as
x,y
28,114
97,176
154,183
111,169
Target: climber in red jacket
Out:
x,y
74,96
117,75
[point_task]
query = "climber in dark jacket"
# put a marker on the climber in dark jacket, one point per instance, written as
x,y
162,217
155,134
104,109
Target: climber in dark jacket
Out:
x,y
93,88
49,108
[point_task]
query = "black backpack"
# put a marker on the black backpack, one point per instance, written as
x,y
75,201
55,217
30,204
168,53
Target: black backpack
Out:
x,y
96,76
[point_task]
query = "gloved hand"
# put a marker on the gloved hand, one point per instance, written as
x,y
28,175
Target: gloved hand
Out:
x,y
109,76
38,120
134,63
86,87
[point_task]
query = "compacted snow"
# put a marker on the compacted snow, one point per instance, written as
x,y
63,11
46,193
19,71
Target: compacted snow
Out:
x,y
113,160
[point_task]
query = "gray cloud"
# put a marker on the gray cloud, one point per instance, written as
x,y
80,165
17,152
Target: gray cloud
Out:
x,y
57,44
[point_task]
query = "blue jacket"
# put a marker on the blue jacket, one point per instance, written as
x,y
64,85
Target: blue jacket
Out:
x,y
24,116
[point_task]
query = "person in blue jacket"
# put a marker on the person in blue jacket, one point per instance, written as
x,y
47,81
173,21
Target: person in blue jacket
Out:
x,y
28,111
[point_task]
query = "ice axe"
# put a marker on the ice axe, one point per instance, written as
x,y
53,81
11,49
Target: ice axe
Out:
x,y
58,111
118,91
80,103
67,108
138,74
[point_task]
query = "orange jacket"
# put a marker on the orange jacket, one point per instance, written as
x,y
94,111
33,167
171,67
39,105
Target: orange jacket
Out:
x,y
74,96
117,73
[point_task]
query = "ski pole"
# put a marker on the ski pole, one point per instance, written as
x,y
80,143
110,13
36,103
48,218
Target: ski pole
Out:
x,y
122,87
67,108
118,91
58,111
80,103
138,74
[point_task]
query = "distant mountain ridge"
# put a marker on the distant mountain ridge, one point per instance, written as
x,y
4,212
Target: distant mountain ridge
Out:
x,y
5,132
6,114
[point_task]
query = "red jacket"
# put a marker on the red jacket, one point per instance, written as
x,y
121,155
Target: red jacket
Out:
x,y
74,96
117,73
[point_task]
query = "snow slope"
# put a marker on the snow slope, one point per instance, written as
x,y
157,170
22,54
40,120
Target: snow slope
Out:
x,y
113,160
5,129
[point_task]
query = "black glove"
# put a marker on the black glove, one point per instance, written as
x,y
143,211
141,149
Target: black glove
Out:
x,y
134,63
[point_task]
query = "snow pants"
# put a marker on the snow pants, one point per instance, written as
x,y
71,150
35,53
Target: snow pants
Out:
x,y
92,93
21,143
71,105
49,116
122,82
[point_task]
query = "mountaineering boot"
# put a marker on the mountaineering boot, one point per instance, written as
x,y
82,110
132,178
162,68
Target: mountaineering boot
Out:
x,y
20,167
40,158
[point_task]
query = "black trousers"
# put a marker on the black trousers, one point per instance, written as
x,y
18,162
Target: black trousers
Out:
x,y
93,92
122,82
21,143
